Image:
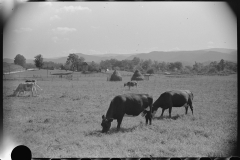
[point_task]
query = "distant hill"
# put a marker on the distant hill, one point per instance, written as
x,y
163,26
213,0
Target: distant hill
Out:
x,y
189,56
186,57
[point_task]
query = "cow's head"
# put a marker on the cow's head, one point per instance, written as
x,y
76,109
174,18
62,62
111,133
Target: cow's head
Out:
x,y
106,124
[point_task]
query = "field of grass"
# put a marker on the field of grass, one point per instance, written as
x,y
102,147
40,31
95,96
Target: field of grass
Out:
x,y
65,119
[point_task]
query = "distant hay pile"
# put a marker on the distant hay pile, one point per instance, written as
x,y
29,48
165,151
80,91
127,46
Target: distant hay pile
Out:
x,y
116,76
137,76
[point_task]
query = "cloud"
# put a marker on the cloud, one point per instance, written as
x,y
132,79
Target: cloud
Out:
x,y
47,3
210,44
94,52
55,17
74,9
64,30
174,49
55,39
72,51
23,30
94,27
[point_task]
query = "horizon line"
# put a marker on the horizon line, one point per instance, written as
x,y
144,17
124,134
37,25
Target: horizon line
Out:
x,y
130,53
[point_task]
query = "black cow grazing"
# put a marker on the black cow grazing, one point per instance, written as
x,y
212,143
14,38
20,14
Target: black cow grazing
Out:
x,y
130,84
174,98
127,105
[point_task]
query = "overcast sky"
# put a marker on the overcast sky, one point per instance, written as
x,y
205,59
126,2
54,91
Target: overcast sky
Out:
x,y
55,29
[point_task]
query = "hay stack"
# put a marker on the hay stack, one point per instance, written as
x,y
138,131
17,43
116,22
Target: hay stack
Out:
x,y
137,76
116,76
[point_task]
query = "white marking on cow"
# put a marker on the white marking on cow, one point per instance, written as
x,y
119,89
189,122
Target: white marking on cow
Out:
x,y
154,113
148,108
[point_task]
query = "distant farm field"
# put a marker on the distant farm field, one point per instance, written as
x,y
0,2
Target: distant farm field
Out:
x,y
65,119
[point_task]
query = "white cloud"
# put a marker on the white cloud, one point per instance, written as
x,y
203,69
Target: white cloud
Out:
x,y
47,3
94,52
63,30
210,44
55,17
94,27
72,51
74,9
55,39
23,30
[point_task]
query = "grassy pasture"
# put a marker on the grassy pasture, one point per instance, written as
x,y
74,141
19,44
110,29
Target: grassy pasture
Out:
x,y
64,120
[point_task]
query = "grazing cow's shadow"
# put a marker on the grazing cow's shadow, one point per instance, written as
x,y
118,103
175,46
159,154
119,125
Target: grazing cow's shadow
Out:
x,y
11,95
121,130
98,133
167,117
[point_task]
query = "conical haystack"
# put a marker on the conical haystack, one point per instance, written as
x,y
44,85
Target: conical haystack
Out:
x,y
137,76
116,76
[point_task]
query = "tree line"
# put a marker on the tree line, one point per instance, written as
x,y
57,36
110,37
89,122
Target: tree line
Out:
x,y
76,63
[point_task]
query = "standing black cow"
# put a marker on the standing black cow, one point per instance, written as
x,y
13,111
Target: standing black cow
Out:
x,y
130,84
174,98
127,105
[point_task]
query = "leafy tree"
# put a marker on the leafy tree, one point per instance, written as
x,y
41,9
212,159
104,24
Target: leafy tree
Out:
x,y
150,71
171,66
106,64
178,65
188,68
146,64
79,63
93,67
163,66
155,65
72,60
62,67
212,70
221,65
135,61
20,60
231,66
138,67
197,67
38,61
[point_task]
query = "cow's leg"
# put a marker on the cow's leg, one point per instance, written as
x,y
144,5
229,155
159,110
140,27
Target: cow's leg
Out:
x,y
150,117
186,108
191,107
119,120
170,111
146,117
163,109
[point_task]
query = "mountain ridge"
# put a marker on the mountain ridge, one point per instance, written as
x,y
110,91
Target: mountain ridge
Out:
x,y
188,57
